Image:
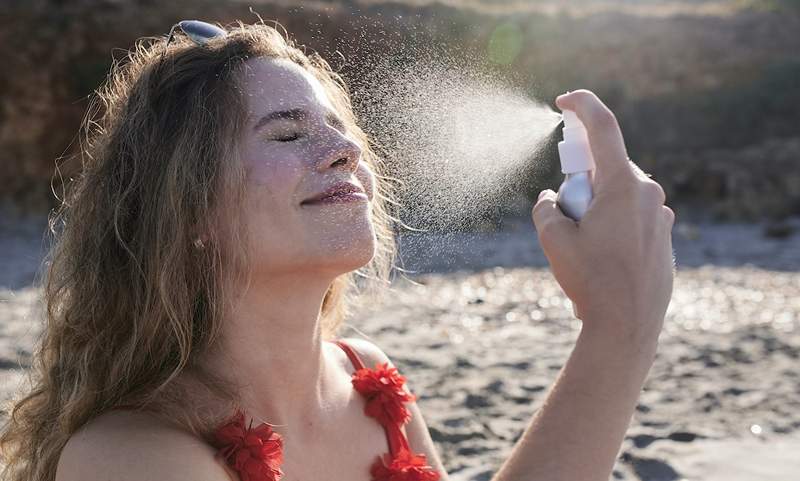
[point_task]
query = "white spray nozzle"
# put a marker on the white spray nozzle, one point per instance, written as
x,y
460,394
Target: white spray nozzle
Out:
x,y
571,120
574,150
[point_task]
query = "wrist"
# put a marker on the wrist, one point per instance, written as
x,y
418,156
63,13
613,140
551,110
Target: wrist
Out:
x,y
633,343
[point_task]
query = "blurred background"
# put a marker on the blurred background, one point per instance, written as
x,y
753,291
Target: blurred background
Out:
x,y
708,97
707,92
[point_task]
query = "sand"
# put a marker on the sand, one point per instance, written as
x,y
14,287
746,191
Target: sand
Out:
x,y
481,330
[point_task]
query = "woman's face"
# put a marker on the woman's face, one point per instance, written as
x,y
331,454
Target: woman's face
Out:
x,y
294,147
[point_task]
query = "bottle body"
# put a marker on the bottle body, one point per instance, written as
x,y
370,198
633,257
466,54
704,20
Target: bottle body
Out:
x,y
575,194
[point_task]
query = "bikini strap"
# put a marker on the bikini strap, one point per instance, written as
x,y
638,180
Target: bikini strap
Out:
x,y
394,433
350,353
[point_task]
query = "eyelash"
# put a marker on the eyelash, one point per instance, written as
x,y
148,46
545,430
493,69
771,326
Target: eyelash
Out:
x,y
288,138
295,136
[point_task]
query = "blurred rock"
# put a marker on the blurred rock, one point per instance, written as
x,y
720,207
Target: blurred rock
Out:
x,y
778,230
757,182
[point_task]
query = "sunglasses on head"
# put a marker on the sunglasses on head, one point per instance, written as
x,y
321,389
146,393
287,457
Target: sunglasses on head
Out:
x,y
199,32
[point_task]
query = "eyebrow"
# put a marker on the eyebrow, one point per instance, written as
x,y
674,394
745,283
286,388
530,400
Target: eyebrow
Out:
x,y
295,114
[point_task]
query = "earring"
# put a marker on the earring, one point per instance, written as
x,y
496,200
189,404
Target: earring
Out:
x,y
198,243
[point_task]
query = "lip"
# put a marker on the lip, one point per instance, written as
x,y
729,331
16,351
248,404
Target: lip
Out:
x,y
340,199
338,192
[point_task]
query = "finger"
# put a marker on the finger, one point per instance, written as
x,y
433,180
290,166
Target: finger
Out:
x,y
669,214
638,171
605,136
575,311
556,231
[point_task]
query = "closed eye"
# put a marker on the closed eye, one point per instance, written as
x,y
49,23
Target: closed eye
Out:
x,y
331,118
288,138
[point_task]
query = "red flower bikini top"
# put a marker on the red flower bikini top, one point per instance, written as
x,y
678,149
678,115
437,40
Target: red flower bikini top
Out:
x,y
257,453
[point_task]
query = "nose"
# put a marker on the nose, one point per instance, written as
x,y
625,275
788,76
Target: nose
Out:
x,y
346,153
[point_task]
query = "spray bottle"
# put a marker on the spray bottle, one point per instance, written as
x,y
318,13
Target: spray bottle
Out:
x,y
578,165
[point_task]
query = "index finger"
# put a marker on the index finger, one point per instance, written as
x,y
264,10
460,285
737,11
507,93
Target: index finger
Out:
x,y
605,136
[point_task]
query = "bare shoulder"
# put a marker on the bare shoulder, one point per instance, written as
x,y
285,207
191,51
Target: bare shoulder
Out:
x,y
419,436
368,351
130,446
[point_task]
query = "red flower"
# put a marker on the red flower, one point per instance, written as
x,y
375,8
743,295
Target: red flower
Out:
x,y
407,466
383,388
255,453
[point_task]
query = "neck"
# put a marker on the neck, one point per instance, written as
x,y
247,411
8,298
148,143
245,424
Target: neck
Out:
x,y
272,347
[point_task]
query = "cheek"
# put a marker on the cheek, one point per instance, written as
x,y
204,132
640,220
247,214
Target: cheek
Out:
x,y
271,169
259,172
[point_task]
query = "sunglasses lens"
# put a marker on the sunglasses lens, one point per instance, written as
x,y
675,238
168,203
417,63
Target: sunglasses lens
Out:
x,y
201,32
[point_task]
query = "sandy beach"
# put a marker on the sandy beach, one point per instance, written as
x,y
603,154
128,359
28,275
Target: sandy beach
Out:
x,y
481,329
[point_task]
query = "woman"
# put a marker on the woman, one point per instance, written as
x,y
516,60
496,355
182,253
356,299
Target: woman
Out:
x,y
198,279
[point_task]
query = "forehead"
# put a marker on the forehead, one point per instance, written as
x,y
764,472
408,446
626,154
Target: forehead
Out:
x,y
279,84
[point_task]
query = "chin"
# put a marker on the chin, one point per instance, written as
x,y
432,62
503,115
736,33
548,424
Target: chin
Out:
x,y
356,255
338,244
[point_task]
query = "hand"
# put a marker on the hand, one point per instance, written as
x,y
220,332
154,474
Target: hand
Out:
x,y
616,265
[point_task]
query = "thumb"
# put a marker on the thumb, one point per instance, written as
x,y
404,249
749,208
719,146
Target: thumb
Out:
x,y
557,232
